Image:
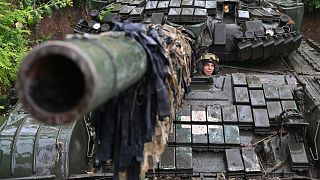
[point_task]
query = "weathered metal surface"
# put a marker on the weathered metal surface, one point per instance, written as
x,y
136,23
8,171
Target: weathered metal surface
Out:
x,y
183,133
234,160
198,116
211,7
92,69
126,11
273,79
174,14
244,114
241,95
231,134
187,3
208,162
126,1
257,98
239,79
288,105
244,50
260,117
167,161
159,17
47,149
187,14
288,44
274,108
30,148
229,114
218,82
298,156
278,46
271,92
216,140
199,134
220,34
117,7
257,50
138,3
22,149
163,6
199,3
137,13
216,135
265,35
247,137
184,158
285,92
175,3
185,118
298,153
7,139
257,44
250,160
151,7
227,86
291,80
214,114
206,96
200,14
254,82
268,48
184,113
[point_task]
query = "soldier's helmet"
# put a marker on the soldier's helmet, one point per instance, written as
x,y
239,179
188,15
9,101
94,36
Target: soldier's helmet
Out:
x,y
207,58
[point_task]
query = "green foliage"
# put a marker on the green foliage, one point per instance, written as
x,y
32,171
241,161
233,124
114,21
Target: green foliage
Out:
x,y
80,3
313,4
104,12
40,7
13,41
15,20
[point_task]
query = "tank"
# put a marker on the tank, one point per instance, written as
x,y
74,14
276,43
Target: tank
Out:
x,y
235,30
124,97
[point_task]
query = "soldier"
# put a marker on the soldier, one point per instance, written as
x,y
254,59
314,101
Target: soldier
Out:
x,y
208,64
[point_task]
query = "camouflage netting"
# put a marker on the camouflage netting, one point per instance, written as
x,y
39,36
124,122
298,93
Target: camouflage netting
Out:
x,y
133,127
178,51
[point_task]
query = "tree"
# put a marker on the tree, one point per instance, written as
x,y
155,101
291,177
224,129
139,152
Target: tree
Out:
x,y
312,4
16,18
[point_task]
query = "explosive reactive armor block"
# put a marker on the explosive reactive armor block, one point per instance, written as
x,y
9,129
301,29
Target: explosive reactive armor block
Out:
x,y
229,114
251,162
245,116
261,121
234,163
298,157
241,95
257,98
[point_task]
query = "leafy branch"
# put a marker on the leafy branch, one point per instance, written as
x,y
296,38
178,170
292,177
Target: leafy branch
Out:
x,y
312,4
41,8
15,20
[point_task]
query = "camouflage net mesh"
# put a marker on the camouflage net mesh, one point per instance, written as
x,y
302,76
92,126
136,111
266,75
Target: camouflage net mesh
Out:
x,y
178,51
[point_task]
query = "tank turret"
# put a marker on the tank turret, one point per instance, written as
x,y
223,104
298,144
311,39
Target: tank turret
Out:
x,y
128,83
128,95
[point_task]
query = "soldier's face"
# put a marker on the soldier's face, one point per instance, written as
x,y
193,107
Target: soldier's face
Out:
x,y
208,69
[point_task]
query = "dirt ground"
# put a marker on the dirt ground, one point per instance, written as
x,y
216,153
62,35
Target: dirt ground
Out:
x,y
311,26
63,21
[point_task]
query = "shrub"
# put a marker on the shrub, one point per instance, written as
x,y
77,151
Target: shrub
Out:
x,y
16,18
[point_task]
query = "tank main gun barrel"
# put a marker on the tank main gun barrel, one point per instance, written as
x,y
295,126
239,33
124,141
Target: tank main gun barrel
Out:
x,y
59,81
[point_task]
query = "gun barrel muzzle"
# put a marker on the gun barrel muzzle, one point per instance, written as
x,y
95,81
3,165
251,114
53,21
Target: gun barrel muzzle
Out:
x,y
60,81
